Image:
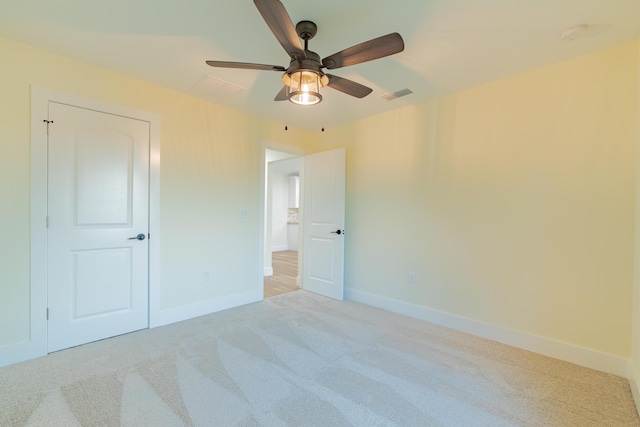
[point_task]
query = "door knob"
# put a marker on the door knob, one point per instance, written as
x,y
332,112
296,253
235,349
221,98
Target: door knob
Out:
x,y
138,237
337,232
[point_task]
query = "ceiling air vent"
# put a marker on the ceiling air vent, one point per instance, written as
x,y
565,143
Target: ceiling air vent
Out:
x,y
396,95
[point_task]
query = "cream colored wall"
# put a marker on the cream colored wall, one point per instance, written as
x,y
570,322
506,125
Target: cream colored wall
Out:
x,y
209,171
512,202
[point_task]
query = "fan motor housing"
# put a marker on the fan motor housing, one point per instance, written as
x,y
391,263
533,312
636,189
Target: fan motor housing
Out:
x,y
311,62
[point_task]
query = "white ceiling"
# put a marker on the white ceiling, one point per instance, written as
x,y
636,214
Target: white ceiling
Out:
x,y
449,44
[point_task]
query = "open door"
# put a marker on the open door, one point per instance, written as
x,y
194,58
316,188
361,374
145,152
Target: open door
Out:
x,y
324,204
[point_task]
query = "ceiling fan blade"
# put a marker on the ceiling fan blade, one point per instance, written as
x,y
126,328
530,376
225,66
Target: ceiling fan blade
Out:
x,y
282,95
348,86
367,51
278,20
245,65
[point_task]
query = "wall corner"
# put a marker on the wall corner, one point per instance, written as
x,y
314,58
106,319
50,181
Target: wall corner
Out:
x,y
634,380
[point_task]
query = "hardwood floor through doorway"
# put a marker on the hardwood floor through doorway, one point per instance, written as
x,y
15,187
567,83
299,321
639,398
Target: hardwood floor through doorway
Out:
x,y
285,271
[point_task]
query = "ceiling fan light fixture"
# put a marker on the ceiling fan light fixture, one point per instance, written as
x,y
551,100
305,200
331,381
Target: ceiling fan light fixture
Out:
x,y
304,86
304,77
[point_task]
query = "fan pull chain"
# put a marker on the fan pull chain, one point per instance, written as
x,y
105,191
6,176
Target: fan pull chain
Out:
x,y
286,116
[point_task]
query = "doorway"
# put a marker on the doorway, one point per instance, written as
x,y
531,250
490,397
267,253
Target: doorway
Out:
x,y
282,219
321,218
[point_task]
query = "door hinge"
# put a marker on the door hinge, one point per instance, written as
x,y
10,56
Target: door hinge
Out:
x,y
47,313
48,122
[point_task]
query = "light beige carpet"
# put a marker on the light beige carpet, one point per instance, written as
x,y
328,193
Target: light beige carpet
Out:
x,y
303,360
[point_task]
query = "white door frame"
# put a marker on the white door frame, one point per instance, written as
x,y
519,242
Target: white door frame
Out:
x,y
40,97
264,146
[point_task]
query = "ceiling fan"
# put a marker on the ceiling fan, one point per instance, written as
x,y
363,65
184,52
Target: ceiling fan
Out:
x,y
304,76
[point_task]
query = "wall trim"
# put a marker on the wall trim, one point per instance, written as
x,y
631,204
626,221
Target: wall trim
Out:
x,y
279,248
178,314
548,347
268,271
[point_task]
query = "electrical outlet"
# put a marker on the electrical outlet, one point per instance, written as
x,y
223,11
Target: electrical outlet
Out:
x,y
244,213
207,275
412,278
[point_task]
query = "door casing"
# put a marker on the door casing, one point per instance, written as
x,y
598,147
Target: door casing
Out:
x,y
37,344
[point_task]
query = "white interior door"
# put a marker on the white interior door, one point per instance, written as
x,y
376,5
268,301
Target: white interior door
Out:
x,y
324,200
98,205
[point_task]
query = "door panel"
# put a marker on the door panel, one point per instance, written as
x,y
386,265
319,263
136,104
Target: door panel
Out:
x,y
323,183
101,282
324,254
324,205
103,168
97,200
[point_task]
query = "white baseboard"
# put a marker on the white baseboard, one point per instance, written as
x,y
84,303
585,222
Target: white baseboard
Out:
x,y
280,248
268,271
634,381
178,314
26,350
19,352
557,349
